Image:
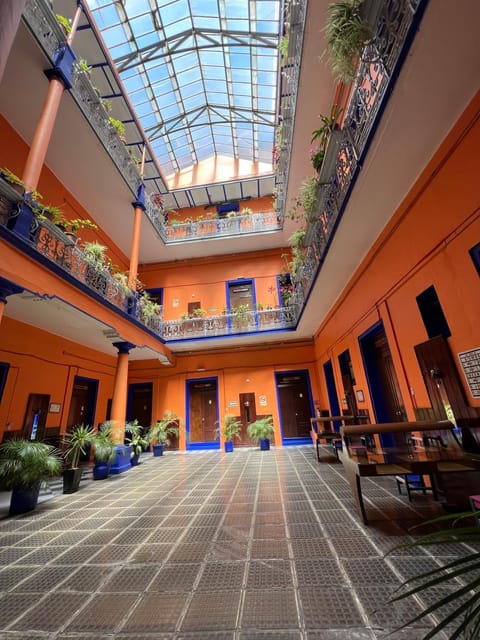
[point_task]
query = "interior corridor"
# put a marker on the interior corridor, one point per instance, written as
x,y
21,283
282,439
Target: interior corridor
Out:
x,y
244,546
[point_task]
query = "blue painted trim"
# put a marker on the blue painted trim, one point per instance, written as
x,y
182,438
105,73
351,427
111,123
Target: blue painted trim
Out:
x,y
131,388
4,367
203,446
233,283
199,445
294,442
310,397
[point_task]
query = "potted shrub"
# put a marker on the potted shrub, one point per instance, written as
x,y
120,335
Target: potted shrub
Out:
x,y
24,465
136,440
229,429
118,126
104,451
261,431
346,32
96,259
77,442
160,432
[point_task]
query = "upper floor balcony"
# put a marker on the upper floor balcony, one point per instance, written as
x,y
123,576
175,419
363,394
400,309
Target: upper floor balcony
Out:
x,y
244,222
86,266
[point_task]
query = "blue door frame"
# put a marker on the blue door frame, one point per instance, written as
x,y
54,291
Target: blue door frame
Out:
x,y
300,440
196,446
372,374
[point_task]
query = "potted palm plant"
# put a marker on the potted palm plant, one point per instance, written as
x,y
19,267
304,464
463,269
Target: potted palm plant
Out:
x,y
24,465
104,451
229,430
261,431
160,432
77,443
136,440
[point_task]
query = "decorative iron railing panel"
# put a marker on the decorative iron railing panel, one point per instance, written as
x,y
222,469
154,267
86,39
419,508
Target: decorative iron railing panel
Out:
x,y
210,227
378,68
231,324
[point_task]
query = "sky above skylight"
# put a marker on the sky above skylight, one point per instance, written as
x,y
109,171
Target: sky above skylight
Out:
x,y
202,75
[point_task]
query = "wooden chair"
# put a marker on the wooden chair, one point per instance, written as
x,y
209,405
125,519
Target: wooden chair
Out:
x,y
412,482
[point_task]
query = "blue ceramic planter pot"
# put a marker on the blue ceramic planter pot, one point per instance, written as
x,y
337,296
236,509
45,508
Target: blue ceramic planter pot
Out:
x,y
228,446
101,470
264,444
24,499
157,450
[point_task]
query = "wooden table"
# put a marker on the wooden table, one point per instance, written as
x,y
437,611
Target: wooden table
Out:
x,y
325,434
397,460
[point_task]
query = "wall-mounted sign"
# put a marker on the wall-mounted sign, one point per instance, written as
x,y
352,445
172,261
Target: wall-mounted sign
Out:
x,y
175,302
55,407
232,403
470,361
262,401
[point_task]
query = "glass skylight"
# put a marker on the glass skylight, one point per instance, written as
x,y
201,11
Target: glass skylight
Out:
x,y
202,75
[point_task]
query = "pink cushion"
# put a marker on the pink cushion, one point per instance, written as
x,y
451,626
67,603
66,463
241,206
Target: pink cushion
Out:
x,y
475,500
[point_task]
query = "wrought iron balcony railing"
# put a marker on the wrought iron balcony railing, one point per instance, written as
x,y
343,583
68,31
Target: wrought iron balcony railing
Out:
x,y
62,249
231,323
378,69
172,233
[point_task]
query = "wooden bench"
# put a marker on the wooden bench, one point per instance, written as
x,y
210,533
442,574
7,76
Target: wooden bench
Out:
x,y
405,450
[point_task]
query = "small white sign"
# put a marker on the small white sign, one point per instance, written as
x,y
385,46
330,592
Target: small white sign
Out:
x,y
262,400
232,403
55,407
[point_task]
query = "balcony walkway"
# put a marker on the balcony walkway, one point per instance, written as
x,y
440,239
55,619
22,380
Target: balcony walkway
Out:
x,y
211,546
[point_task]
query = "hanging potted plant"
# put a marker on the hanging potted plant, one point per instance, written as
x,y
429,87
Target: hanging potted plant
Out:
x,y
24,465
136,440
347,33
261,431
160,432
97,270
77,443
229,429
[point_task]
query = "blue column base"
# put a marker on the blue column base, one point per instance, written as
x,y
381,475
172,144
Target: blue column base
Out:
x,y
122,460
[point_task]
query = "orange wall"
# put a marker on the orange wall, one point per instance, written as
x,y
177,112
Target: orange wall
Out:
x,y
238,369
13,154
257,205
426,243
204,280
44,363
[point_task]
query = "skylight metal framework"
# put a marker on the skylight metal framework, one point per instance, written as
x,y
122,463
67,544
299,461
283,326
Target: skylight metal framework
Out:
x,y
202,75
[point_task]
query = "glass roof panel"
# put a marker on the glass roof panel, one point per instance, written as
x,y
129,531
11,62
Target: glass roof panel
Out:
x,y
201,74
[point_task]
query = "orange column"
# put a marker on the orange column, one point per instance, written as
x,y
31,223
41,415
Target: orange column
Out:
x,y
60,78
135,245
43,133
120,387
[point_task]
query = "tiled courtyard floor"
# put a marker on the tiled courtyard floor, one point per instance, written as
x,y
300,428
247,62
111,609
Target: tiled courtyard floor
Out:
x,y
244,546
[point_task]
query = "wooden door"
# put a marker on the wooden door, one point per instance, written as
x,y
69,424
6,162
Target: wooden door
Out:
x,y
241,293
295,404
382,378
140,404
348,381
446,392
35,416
248,414
202,410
